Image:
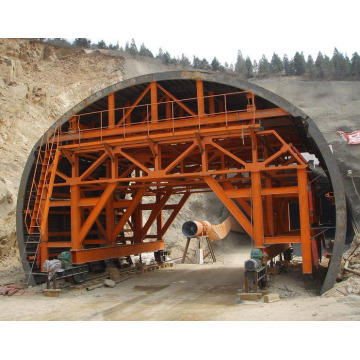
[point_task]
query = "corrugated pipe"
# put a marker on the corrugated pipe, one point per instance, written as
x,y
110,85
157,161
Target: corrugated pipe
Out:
x,y
215,232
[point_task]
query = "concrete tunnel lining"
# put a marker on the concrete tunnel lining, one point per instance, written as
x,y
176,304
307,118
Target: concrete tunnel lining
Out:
x,y
313,134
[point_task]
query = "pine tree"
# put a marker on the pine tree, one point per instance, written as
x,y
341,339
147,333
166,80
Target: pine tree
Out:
x,y
287,66
204,65
255,67
215,64
82,43
240,66
101,44
133,48
196,62
340,65
249,68
160,54
58,42
144,51
276,65
166,58
310,68
355,66
299,64
320,66
329,68
264,66
184,61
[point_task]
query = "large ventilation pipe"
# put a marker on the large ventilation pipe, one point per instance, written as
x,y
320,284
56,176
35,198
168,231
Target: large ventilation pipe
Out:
x,y
214,232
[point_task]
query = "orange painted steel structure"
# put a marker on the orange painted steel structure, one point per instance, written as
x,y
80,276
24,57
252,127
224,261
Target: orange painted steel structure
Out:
x,y
95,179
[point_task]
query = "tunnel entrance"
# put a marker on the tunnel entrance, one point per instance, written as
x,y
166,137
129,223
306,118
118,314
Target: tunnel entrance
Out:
x,y
86,181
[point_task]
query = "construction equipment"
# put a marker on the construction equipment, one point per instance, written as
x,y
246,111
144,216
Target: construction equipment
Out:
x,y
164,137
255,271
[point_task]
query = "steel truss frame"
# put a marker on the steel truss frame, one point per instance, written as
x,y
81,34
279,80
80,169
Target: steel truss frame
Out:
x,y
124,200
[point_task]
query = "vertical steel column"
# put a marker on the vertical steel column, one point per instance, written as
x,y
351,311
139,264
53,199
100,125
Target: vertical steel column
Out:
x,y
200,97
109,208
304,221
75,209
258,226
154,104
111,108
269,208
159,221
258,230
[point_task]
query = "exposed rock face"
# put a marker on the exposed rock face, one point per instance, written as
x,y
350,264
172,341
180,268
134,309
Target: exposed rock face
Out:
x,y
38,83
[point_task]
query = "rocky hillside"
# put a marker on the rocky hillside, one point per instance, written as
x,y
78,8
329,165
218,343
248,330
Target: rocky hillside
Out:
x,y
39,82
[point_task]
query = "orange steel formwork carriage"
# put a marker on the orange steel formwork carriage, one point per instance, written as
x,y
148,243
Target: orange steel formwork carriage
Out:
x,y
103,180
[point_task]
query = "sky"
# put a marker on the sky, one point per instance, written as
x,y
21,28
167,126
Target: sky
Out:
x,y
202,28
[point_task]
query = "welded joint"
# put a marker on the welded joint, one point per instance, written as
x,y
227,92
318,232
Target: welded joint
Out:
x,y
69,156
152,145
109,149
199,142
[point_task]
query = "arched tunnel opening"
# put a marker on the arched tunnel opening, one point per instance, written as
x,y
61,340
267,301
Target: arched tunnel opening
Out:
x,y
129,149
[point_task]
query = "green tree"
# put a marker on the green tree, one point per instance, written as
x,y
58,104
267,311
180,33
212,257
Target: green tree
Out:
x,y
249,68
240,65
355,66
320,66
101,44
166,58
61,42
276,65
144,51
82,43
264,66
133,50
287,66
196,62
160,54
329,68
310,68
184,61
204,64
215,64
341,65
255,67
299,64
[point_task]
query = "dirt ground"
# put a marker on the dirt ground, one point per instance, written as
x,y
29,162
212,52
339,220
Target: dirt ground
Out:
x,y
187,292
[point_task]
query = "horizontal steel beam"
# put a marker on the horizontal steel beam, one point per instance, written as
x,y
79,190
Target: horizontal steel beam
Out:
x,y
87,255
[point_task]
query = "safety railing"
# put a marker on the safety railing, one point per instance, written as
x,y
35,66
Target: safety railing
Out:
x,y
179,114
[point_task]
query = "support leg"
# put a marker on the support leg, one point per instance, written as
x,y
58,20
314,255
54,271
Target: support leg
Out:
x,y
186,250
